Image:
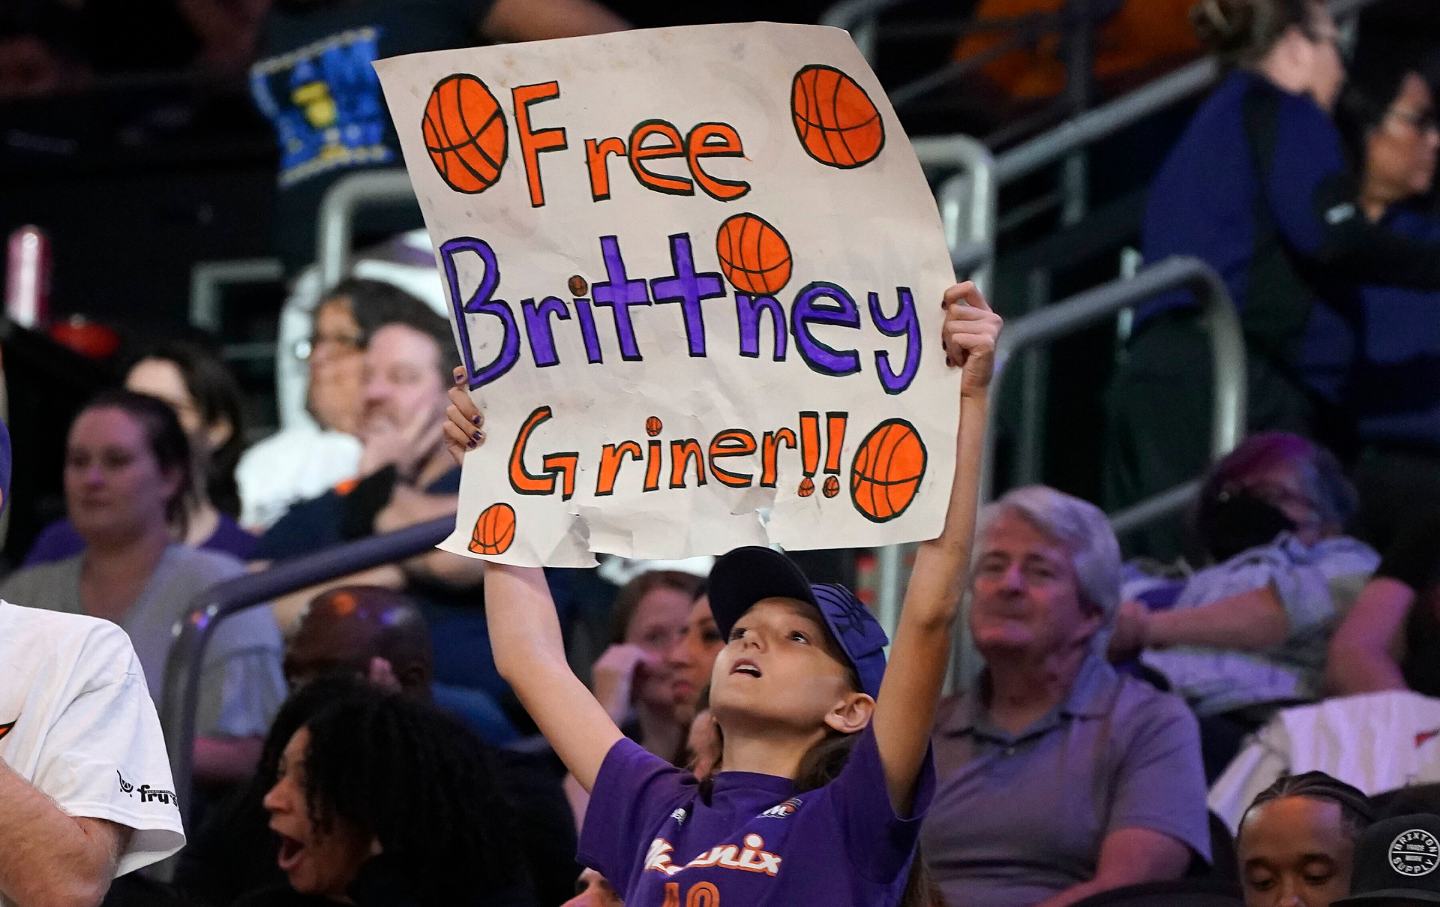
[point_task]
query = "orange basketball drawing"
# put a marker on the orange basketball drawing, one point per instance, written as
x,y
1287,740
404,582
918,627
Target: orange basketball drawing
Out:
x,y
807,487
837,123
653,426
831,487
494,530
465,133
887,470
754,257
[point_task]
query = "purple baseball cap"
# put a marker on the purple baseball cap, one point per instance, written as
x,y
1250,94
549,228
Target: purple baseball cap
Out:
x,y
747,575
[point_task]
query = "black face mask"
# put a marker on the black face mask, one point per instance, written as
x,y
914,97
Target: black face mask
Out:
x,y
1234,521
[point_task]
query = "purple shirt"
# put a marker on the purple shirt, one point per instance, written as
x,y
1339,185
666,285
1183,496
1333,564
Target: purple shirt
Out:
x,y
1021,817
59,540
756,841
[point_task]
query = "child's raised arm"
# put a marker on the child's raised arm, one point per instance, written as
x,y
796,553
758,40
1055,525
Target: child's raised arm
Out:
x,y
920,655
525,637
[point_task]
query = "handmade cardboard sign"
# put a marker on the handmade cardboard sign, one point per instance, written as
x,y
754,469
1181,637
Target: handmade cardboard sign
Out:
x,y
695,279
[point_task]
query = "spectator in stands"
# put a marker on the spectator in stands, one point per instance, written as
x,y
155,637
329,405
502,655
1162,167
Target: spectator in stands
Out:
x,y
1258,187
376,636
308,458
381,635
233,851
1390,639
632,678
795,691
198,386
1296,844
1389,117
1058,777
1247,634
691,658
365,632
127,480
313,81
404,477
383,800
79,735
1385,642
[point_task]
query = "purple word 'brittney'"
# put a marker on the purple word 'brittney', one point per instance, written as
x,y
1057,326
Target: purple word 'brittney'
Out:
x,y
817,304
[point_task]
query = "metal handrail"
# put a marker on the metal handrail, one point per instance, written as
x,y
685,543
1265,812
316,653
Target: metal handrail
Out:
x,y
861,18
193,632
336,220
1227,350
969,209
207,277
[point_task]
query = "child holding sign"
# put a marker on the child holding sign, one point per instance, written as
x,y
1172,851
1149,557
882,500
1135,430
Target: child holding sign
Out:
x,y
802,679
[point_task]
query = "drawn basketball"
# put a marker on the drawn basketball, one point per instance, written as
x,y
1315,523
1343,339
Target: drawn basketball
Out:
x,y
837,123
465,133
831,487
494,530
754,257
653,426
807,487
887,470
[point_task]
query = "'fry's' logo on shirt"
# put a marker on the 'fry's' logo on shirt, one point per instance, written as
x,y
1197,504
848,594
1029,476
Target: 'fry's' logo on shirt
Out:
x,y
751,858
147,793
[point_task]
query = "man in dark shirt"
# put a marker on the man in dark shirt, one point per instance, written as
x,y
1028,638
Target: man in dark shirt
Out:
x,y
405,477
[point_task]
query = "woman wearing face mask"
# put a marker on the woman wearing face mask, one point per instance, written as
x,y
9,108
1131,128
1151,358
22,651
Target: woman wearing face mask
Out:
x,y
383,802
1259,188
1296,843
1249,632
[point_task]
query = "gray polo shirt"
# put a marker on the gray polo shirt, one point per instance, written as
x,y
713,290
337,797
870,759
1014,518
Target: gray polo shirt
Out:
x,y
1018,818
241,684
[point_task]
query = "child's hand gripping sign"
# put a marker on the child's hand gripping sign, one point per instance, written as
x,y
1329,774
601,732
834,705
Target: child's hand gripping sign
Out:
x,y
691,274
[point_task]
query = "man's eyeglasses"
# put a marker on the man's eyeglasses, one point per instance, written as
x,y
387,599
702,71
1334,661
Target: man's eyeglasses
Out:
x,y
307,347
1421,121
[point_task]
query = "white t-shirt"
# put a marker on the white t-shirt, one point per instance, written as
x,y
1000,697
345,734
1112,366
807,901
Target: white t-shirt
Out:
x,y
1375,741
82,728
294,465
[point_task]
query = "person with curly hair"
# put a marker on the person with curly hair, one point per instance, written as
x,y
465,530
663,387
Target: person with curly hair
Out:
x,y
381,800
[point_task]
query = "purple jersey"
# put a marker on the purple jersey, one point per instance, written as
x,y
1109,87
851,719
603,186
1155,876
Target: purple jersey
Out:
x,y
756,841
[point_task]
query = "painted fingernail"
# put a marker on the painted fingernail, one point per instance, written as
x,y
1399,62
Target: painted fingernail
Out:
x,y
477,437
475,419
459,376
470,445
482,436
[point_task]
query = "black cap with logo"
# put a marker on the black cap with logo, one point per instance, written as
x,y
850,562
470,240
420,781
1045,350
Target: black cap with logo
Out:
x,y
1397,860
